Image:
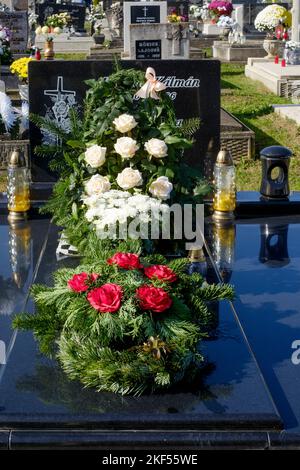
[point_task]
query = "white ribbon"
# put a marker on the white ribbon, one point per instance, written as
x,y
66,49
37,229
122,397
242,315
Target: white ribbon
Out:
x,y
152,86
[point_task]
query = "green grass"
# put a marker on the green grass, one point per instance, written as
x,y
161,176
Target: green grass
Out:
x,y
67,56
252,103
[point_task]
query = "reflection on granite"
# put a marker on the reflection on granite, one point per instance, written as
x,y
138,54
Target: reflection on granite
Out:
x,y
20,247
268,304
230,394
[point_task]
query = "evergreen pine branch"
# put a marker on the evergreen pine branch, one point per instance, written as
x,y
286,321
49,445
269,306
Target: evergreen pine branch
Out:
x,y
190,126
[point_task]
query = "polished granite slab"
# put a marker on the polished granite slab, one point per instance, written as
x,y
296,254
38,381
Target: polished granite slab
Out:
x,y
35,394
262,261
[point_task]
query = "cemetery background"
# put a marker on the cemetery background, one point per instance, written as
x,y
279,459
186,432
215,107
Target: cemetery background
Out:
x,y
235,100
252,104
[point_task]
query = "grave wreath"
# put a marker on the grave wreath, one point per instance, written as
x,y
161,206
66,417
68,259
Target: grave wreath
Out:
x,y
120,322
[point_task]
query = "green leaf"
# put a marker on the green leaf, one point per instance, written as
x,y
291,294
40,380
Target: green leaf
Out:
x,y
74,211
76,144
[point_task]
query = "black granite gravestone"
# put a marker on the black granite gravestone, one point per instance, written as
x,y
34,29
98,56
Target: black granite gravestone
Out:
x,y
193,85
150,49
145,14
76,12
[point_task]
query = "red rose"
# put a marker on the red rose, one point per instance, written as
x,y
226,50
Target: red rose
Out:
x,y
106,298
160,271
153,298
125,260
79,282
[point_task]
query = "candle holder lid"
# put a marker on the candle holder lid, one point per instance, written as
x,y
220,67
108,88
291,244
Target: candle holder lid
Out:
x,y
16,159
224,157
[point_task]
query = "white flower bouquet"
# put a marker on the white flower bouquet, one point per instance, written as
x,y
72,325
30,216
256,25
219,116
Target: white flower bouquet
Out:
x,y
272,16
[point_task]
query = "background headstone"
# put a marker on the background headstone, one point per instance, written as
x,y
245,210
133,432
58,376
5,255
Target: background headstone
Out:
x,y
147,49
76,11
182,7
173,41
142,12
194,87
17,22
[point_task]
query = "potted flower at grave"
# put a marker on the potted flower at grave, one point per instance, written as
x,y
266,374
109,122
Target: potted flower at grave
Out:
x,y
226,25
49,33
218,8
20,68
5,52
59,20
174,17
267,21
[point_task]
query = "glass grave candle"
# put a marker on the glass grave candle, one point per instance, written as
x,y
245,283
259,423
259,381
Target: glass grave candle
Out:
x,y
18,192
224,200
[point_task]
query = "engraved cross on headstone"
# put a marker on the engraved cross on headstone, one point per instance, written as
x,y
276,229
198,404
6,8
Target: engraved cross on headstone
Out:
x,y
181,9
61,99
145,9
175,34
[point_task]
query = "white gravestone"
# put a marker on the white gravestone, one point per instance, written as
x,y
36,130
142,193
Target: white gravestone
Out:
x,y
296,21
146,12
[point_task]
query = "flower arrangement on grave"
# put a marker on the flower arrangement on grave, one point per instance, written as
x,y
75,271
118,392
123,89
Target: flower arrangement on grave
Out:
x,y
48,32
219,8
95,17
8,116
226,22
19,67
122,160
270,18
5,51
58,20
125,324
174,17
195,11
121,322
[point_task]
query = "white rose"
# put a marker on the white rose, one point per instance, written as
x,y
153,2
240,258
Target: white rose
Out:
x,y
45,30
57,30
157,148
97,184
95,156
129,178
38,30
125,123
161,188
126,147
